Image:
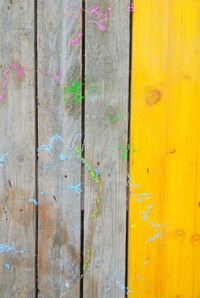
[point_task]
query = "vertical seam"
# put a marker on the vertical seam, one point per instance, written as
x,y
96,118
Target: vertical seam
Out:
x,y
36,143
82,147
128,142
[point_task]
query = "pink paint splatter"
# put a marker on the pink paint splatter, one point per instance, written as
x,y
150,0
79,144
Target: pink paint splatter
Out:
x,y
58,76
99,17
105,15
95,10
76,40
18,69
5,78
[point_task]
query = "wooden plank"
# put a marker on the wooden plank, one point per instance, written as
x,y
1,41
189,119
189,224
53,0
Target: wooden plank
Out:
x,y
59,63
17,149
165,121
107,62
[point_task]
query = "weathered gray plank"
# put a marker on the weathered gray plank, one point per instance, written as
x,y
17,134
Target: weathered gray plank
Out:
x,y
107,60
17,140
59,209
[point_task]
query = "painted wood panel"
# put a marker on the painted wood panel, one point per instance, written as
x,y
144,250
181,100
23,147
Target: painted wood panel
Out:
x,y
164,225
17,149
59,127
106,131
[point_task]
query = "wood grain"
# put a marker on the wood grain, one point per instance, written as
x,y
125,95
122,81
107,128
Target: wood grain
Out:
x,y
107,61
17,140
165,121
59,209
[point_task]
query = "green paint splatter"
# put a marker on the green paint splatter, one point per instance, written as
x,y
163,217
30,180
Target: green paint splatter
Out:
x,y
73,94
87,260
124,150
75,87
115,118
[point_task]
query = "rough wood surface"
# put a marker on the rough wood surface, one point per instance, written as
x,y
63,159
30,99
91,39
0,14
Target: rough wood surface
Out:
x,y
165,120
59,208
107,61
17,140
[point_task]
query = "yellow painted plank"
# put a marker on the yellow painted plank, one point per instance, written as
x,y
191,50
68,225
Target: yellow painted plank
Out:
x,y
164,261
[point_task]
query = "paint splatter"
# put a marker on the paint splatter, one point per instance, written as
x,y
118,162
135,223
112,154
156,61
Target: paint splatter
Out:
x,y
49,146
59,76
75,90
75,187
140,197
3,159
87,260
33,201
44,193
62,156
96,171
5,248
124,152
115,118
5,78
93,174
95,212
7,266
77,39
145,214
155,236
122,287
93,15
154,225
100,17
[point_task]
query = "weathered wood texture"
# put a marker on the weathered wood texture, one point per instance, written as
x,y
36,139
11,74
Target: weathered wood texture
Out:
x,y
59,63
165,120
107,61
17,140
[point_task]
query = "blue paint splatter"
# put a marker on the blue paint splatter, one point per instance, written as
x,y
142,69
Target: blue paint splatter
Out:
x,y
62,156
43,193
144,194
154,225
79,135
7,266
49,146
3,159
85,163
33,201
75,187
96,171
5,248
151,239
145,214
122,287
140,197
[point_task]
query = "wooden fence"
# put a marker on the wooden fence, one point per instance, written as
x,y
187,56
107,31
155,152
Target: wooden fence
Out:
x,y
164,217
68,130
64,126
